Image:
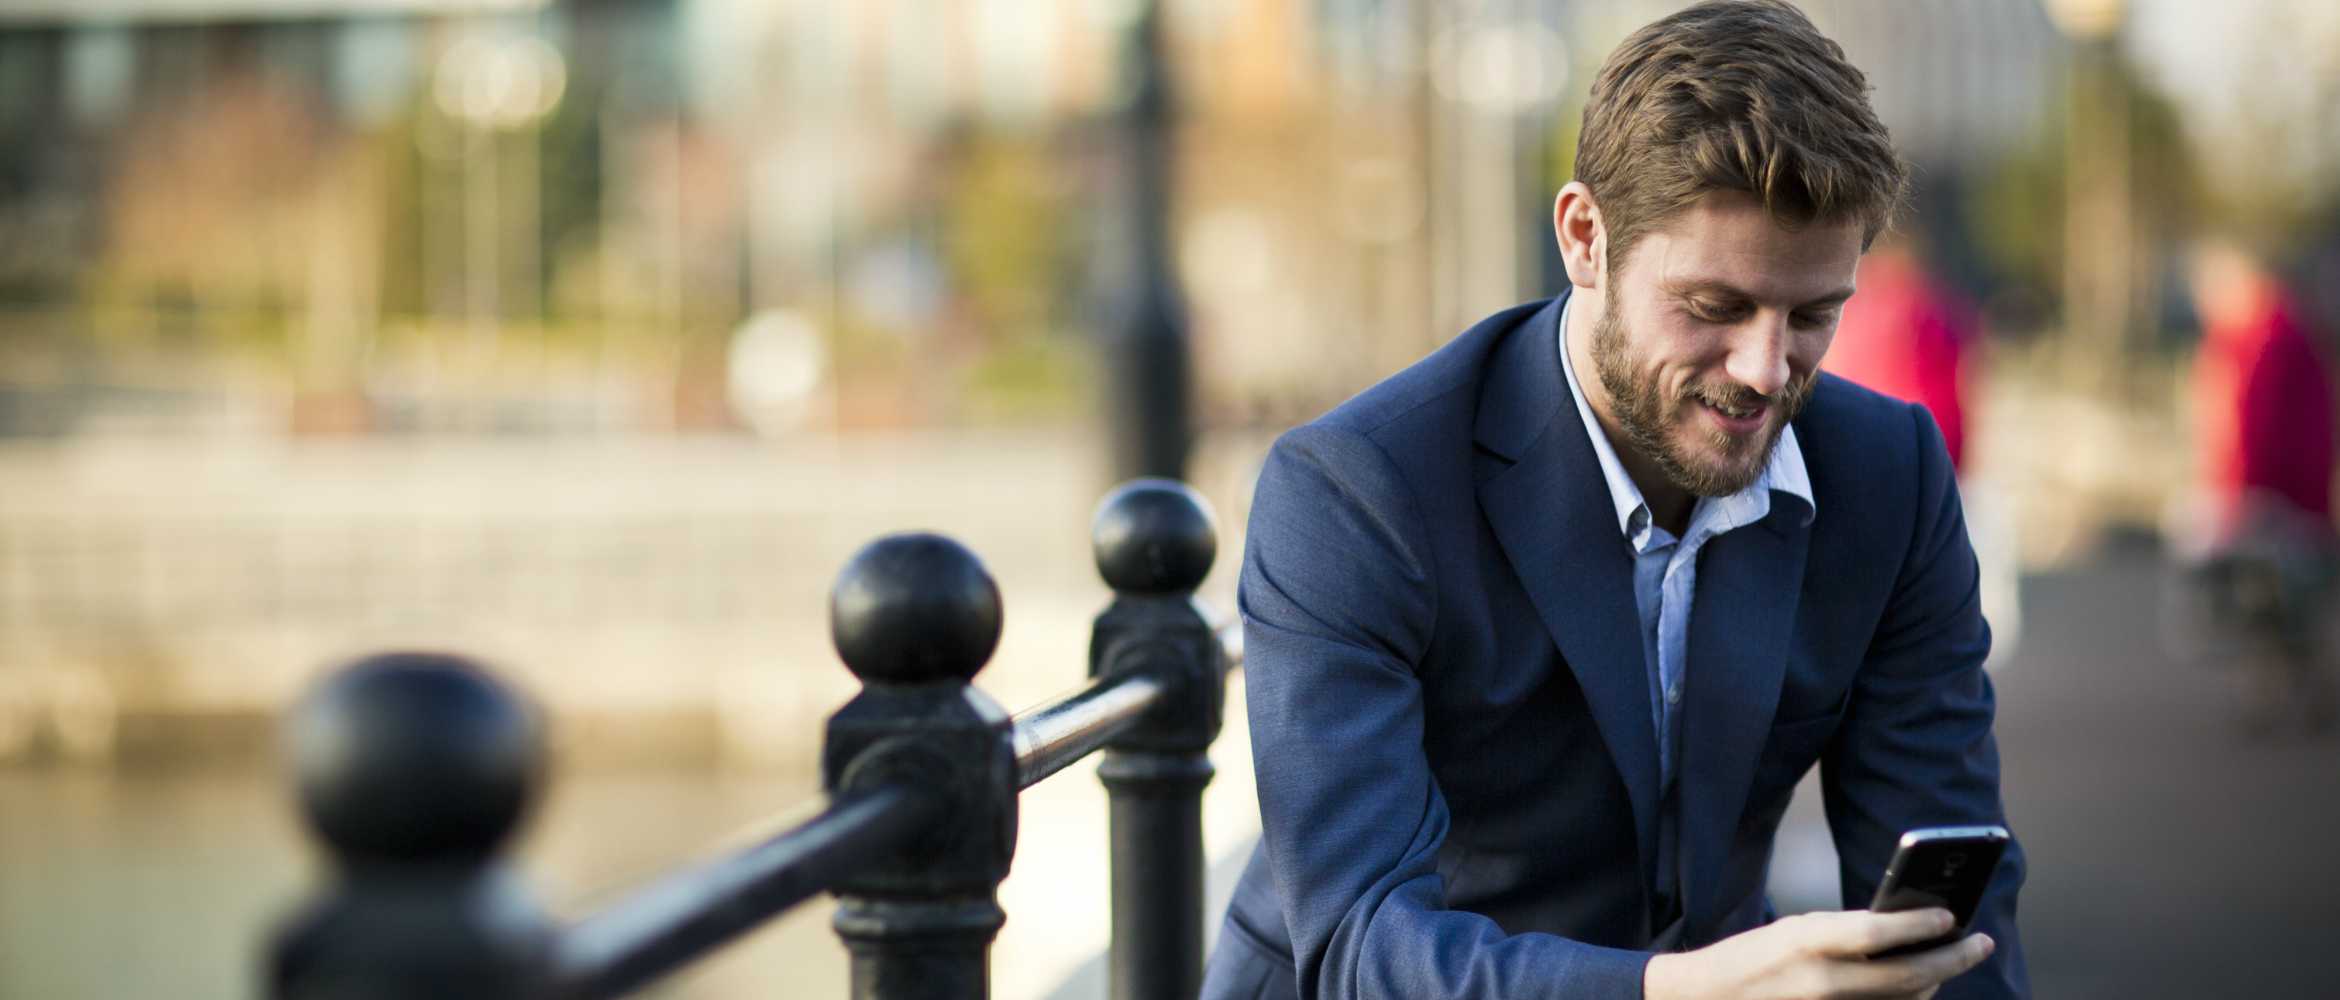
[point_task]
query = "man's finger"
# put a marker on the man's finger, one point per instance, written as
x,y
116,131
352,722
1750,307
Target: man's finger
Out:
x,y
1913,974
1860,933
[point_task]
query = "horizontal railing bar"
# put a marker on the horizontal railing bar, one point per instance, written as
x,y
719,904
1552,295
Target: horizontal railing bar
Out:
x,y
1050,736
682,917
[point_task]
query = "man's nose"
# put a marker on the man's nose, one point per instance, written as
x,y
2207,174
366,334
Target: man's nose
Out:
x,y
1758,358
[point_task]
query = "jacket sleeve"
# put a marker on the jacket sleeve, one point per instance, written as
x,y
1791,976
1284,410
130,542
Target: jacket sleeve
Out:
x,y
1915,748
1338,602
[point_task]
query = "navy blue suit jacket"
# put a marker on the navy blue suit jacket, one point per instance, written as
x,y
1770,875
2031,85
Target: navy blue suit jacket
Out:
x,y
1450,711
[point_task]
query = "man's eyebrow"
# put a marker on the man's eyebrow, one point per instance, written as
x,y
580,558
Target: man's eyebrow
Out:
x,y
1701,286
1832,299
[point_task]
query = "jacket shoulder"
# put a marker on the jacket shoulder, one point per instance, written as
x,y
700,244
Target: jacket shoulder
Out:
x,y
1845,416
1870,452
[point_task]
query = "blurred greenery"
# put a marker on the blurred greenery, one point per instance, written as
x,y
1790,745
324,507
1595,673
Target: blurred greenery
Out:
x,y
2018,212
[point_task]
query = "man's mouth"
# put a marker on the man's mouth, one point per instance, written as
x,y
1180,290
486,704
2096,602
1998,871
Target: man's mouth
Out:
x,y
1736,418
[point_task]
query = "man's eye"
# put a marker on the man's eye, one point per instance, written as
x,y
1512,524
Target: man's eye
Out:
x,y
1816,320
1706,313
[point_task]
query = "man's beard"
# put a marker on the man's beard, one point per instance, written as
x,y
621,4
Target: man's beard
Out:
x,y
1641,406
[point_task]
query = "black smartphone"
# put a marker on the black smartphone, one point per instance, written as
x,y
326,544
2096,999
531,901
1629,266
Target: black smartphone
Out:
x,y
1944,866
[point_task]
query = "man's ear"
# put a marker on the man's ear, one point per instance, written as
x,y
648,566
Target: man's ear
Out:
x,y
1583,237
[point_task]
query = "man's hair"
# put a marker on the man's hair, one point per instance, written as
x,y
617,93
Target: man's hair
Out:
x,y
1741,95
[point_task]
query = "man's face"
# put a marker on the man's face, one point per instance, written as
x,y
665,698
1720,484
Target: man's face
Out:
x,y
1711,333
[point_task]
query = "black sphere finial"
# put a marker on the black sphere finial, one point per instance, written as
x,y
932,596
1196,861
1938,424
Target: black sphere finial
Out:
x,y
914,609
1154,536
414,757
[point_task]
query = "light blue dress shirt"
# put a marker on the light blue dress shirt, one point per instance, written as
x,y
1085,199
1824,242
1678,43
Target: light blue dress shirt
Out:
x,y
1665,568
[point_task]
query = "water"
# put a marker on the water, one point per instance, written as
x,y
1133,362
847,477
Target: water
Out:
x,y
164,882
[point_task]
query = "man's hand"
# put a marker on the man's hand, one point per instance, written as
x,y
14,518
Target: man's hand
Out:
x,y
1819,955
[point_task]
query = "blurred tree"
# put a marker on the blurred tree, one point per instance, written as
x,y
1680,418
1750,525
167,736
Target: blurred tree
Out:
x,y
1002,233
1006,255
399,149
571,185
2021,205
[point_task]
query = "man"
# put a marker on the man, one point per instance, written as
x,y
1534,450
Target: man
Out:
x,y
1542,631
2265,552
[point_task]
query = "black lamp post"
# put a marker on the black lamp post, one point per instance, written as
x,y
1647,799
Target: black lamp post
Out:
x,y
1151,369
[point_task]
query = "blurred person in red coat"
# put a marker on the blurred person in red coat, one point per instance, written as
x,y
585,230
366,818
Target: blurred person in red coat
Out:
x,y
1910,336
1906,335
2263,549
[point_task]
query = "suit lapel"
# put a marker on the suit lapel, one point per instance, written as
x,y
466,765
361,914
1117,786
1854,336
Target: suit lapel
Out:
x,y
1551,512
1749,582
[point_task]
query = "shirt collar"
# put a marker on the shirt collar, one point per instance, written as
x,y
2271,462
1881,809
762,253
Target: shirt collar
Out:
x,y
1783,473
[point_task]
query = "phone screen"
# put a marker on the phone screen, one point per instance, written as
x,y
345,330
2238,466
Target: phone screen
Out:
x,y
1948,867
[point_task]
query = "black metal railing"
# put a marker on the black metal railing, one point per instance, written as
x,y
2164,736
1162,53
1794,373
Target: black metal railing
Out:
x,y
413,769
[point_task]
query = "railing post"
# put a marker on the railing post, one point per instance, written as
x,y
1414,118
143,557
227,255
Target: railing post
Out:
x,y
413,768
1154,542
915,617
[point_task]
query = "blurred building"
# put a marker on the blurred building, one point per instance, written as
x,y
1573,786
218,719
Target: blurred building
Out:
x,y
357,238
379,199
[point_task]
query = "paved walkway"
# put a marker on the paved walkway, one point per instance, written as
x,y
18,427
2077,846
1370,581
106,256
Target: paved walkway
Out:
x,y
2169,856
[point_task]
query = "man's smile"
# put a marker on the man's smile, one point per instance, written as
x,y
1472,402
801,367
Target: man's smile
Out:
x,y
1737,420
